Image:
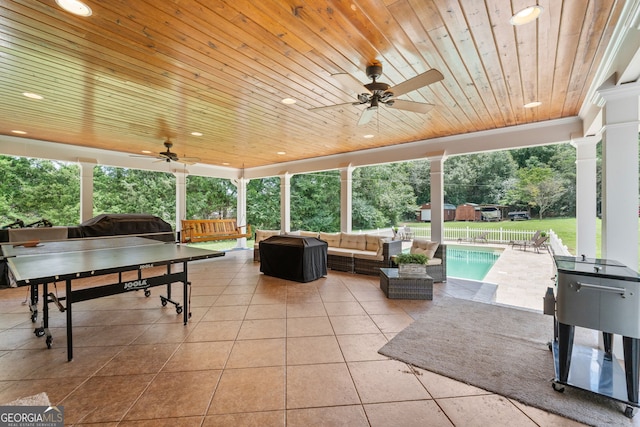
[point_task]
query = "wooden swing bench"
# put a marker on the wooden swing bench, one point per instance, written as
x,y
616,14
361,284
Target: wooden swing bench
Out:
x,y
204,230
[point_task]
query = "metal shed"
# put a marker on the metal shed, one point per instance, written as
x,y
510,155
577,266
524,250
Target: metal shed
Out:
x,y
424,212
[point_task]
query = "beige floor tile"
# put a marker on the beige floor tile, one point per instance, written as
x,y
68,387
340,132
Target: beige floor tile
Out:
x,y
418,413
337,296
357,348
305,309
320,385
362,324
239,289
308,326
334,416
226,330
234,312
251,419
249,390
313,350
175,394
344,308
226,300
262,328
543,418
267,311
199,356
440,386
386,381
385,306
257,353
158,422
139,359
482,411
269,298
103,399
392,322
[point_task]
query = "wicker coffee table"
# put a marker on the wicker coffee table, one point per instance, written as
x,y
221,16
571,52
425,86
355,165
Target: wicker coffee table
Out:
x,y
414,286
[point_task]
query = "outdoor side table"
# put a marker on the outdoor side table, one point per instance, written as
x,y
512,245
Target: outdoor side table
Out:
x,y
412,286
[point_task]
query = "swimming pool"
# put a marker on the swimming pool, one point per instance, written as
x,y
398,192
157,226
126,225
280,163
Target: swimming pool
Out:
x,y
470,262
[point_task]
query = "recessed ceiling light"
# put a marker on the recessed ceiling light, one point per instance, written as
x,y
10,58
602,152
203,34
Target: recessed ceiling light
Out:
x,y
526,15
225,163
532,104
368,136
281,153
74,6
288,101
146,151
32,95
19,132
196,133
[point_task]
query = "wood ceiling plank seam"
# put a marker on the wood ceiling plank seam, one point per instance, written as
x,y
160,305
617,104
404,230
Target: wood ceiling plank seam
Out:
x,y
572,17
508,54
481,29
468,46
614,17
442,96
527,42
548,29
253,43
598,15
440,39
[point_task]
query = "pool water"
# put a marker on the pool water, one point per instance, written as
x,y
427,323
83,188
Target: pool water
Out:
x,y
470,262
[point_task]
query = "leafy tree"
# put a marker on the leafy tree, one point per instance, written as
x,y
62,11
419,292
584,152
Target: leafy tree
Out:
x,y
537,186
211,198
263,203
315,201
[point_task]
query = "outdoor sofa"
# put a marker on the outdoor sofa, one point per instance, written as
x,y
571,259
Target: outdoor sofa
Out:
x,y
350,252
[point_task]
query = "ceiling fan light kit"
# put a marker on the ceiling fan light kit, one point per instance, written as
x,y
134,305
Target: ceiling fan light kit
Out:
x,y
382,93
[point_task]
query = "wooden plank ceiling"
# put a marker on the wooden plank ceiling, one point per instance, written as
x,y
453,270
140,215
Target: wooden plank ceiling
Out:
x,y
138,71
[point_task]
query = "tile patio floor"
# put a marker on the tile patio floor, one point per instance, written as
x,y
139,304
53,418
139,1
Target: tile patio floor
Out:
x,y
258,351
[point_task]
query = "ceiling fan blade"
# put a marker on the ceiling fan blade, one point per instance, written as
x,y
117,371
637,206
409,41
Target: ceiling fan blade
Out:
x,y
417,82
330,107
416,107
188,160
366,115
349,83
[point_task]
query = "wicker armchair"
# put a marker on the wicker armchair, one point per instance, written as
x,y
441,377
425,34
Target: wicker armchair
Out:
x,y
371,266
439,272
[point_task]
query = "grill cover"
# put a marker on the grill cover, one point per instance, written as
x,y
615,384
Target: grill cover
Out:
x,y
118,224
297,258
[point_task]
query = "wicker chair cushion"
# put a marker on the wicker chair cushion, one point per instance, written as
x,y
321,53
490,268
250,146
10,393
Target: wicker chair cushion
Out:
x,y
332,239
426,247
434,261
332,250
353,241
265,234
373,256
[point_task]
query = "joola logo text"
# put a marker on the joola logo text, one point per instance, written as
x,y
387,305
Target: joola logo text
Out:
x,y
136,284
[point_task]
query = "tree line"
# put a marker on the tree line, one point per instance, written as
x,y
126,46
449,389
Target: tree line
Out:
x,y
540,180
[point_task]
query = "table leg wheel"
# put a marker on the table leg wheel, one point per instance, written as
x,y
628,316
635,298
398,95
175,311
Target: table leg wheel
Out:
x,y
178,309
39,332
629,412
147,293
163,301
557,387
34,316
49,341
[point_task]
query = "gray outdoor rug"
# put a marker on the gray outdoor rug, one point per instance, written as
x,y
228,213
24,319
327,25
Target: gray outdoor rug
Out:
x,y
500,349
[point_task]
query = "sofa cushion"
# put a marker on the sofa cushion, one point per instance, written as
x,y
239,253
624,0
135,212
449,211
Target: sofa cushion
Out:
x,y
332,239
426,247
373,242
265,234
332,250
434,261
374,256
353,241
308,233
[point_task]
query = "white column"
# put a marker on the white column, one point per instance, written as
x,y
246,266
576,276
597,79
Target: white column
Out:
x,y
586,210
181,196
86,189
285,202
241,209
437,197
620,173
346,199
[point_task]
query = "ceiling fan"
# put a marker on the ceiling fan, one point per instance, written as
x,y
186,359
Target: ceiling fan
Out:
x,y
382,93
169,156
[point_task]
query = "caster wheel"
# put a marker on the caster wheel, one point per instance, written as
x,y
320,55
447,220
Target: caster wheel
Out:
x,y
39,332
550,345
164,302
628,412
34,317
178,310
49,341
147,293
557,387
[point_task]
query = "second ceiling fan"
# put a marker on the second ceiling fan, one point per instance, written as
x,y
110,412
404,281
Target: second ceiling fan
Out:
x,y
382,93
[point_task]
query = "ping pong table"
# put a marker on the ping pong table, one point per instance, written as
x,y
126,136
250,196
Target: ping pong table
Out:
x,y
67,260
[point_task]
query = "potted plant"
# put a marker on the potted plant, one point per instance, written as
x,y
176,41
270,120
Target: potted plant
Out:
x,y
412,263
